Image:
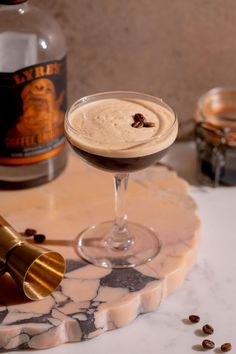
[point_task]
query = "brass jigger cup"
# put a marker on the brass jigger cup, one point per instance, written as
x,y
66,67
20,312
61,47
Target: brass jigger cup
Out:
x,y
36,270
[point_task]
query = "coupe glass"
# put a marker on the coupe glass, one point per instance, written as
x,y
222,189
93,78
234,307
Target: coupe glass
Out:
x,y
119,243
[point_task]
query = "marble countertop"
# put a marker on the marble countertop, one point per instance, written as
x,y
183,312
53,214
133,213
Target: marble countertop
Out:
x,y
209,290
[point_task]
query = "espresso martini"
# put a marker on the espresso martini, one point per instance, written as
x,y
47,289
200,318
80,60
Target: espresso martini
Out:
x,y
121,134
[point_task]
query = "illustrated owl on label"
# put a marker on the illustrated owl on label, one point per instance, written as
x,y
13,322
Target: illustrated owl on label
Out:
x,y
41,110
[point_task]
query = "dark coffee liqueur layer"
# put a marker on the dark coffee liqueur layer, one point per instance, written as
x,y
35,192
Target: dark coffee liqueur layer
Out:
x,y
114,164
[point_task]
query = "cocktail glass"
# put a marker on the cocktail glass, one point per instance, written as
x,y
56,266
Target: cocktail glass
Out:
x,y
119,243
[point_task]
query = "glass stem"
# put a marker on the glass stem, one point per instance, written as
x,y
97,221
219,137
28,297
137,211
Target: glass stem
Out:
x,y
120,239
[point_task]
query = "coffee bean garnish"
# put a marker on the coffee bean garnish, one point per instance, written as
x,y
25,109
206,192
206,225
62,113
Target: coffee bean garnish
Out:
x,y
208,329
30,232
39,238
208,344
138,117
140,121
149,125
194,318
226,347
137,124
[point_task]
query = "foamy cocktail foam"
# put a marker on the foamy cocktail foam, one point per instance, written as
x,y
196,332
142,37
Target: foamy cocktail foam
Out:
x,y
104,127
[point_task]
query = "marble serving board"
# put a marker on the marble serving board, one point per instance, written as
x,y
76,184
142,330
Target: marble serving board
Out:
x,y
92,300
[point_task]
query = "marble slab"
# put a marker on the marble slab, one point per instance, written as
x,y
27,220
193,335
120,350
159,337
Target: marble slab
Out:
x,y
92,300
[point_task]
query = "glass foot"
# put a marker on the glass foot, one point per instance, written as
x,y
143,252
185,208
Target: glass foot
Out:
x,y
94,245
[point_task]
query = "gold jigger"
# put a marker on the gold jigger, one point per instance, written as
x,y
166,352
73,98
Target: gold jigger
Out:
x,y
38,271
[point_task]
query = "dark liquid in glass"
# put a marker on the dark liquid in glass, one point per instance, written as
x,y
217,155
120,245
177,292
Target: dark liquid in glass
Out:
x,y
123,164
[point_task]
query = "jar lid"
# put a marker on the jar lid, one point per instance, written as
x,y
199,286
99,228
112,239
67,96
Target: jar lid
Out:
x,y
216,114
11,2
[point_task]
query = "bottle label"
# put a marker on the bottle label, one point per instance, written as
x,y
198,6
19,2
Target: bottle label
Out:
x,y
32,108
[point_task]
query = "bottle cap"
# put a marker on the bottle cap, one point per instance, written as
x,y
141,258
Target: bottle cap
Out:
x,y
11,2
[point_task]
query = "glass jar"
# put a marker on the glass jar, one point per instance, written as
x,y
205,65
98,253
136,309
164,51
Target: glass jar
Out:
x,y
216,137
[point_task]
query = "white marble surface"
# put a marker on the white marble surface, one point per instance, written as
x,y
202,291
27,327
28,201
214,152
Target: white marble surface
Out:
x,y
209,290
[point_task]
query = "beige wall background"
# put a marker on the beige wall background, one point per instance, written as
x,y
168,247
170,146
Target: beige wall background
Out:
x,y
174,49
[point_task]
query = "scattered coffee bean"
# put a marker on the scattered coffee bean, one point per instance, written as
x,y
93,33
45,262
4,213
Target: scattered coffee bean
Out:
x,y
208,344
30,232
39,238
208,329
194,318
226,347
149,125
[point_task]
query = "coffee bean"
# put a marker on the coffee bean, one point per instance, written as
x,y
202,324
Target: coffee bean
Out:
x,y
149,125
138,117
208,344
137,124
226,347
194,318
208,329
39,238
30,232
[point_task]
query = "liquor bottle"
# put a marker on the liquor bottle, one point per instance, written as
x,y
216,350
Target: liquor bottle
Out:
x,y
32,96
